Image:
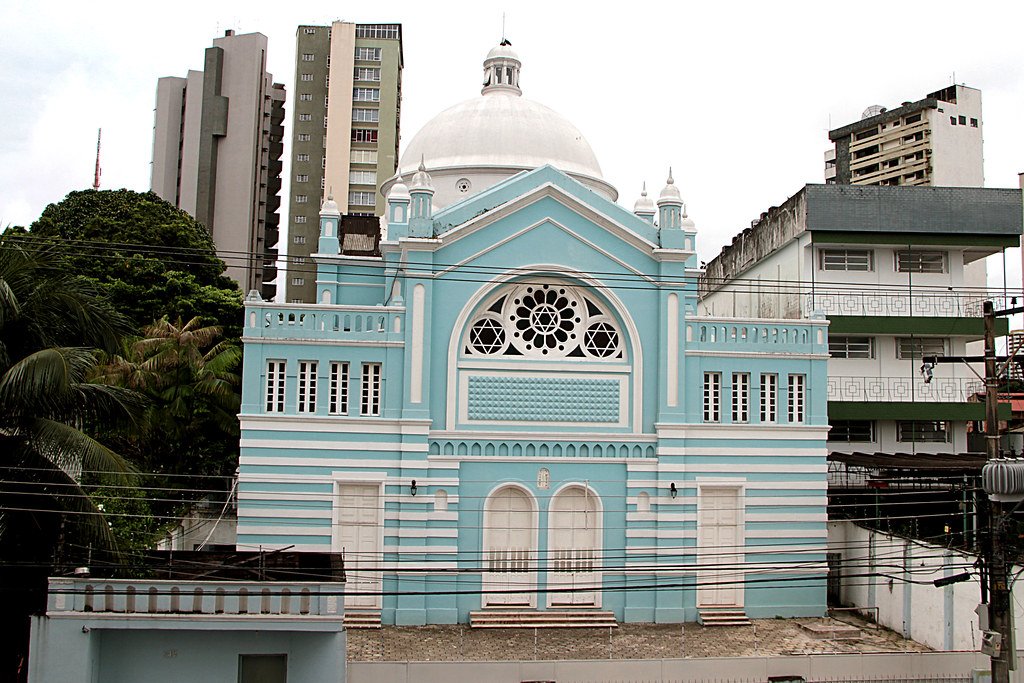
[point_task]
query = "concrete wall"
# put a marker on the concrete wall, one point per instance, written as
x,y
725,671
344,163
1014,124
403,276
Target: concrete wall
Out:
x,y
942,618
865,667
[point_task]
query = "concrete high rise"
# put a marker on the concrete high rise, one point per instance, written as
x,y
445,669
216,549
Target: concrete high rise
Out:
x,y
934,141
218,137
344,133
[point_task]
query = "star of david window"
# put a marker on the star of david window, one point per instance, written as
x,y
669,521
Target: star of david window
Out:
x,y
544,320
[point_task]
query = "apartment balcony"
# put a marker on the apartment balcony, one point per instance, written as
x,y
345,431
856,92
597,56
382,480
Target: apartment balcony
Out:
x,y
181,604
320,321
903,389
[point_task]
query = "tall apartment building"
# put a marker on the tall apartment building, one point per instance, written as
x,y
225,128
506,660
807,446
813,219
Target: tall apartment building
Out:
x,y
218,137
934,141
348,80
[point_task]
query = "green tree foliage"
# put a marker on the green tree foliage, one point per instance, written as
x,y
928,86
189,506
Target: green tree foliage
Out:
x,y
150,258
188,439
50,413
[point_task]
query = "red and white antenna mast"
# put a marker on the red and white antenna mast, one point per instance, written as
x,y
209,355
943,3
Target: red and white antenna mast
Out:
x,y
96,175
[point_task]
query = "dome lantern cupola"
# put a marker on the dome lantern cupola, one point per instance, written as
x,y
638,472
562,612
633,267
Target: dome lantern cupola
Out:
x,y
670,205
421,213
644,207
330,223
501,71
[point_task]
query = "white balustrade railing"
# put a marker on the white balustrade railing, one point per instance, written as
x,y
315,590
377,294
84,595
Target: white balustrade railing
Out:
x,y
902,389
898,301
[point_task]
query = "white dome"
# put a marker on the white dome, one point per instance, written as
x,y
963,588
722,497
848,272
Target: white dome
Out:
x,y
480,142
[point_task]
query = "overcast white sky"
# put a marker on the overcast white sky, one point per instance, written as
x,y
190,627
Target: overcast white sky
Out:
x,y
737,97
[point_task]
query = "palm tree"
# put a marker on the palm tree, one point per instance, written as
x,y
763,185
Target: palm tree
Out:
x,y
51,321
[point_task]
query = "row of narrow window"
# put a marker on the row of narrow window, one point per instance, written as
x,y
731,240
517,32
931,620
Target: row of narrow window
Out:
x,y
339,384
796,399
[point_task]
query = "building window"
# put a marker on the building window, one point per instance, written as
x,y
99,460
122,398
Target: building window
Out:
x,y
920,261
962,120
305,117
307,57
299,239
305,97
740,397
974,123
370,402
385,31
846,259
366,115
368,54
297,260
302,178
363,156
300,219
769,397
712,396
339,388
366,94
275,386
366,74
915,348
364,135
303,137
325,122
952,120
298,281
922,431
913,118
362,177
301,198
361,198
852,431
309,31
851,347
306,77
796,399
301,157
307,386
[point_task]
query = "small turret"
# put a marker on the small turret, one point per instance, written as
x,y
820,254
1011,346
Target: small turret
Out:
x,y
670,210
644,207
330,221
501,71
421,213
398,209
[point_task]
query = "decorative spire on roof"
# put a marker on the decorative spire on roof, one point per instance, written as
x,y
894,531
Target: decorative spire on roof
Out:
x,y
644,206
670,193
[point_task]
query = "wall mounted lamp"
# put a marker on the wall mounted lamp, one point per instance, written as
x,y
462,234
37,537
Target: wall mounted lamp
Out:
x,y
412,487
672,490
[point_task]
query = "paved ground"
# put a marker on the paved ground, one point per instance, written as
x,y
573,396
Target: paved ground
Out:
x,y
628,641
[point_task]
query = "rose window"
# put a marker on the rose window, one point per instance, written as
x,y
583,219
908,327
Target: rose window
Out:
x,y
546,320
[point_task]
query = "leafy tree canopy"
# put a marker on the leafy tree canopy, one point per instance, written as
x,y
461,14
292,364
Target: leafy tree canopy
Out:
x,y
151,259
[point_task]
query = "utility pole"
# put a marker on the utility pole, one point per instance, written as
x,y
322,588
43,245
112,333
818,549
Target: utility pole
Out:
x,y
1000,617
98,171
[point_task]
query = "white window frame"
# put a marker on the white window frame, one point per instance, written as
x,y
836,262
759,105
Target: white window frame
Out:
x,y
363,156
305,397
306,77
741,397
362,177
357,198
299,239
796,399
339,388
368,54
905,426
712,397
298,281
303,137
301,198
834,432
275,386
853,347
308,57
365,115
300,219
305,117
916,348
370,389
920,261
305,97
302,178
366,94
367,73
855,260
769,397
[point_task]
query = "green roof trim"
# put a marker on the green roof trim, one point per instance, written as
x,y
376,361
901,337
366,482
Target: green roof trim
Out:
x,y
905,326
895,410
914,239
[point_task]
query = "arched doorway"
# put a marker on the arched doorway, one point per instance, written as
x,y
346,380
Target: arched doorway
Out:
x,y
510,542
574,548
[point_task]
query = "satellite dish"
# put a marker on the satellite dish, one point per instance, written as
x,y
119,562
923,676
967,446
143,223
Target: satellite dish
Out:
x,y
873,110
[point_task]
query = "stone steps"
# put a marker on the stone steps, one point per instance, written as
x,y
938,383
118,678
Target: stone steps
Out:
x,y
362,619
542,619
722,617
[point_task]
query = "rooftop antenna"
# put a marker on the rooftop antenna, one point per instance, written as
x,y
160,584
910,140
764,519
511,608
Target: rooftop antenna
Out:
x,y
502,28
99,171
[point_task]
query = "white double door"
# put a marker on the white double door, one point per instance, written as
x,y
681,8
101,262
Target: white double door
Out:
x,y
720,547
574,539
358,535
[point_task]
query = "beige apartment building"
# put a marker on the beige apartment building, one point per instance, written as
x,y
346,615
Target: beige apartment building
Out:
x,y
218,136
345,133
935,141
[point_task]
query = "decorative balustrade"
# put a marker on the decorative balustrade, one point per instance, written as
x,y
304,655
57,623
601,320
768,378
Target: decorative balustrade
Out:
x,y
528,449
903,389
901,301
148,598
756,336
359,323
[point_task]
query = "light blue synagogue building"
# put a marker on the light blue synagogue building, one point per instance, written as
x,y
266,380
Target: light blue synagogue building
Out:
x,y
514,408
